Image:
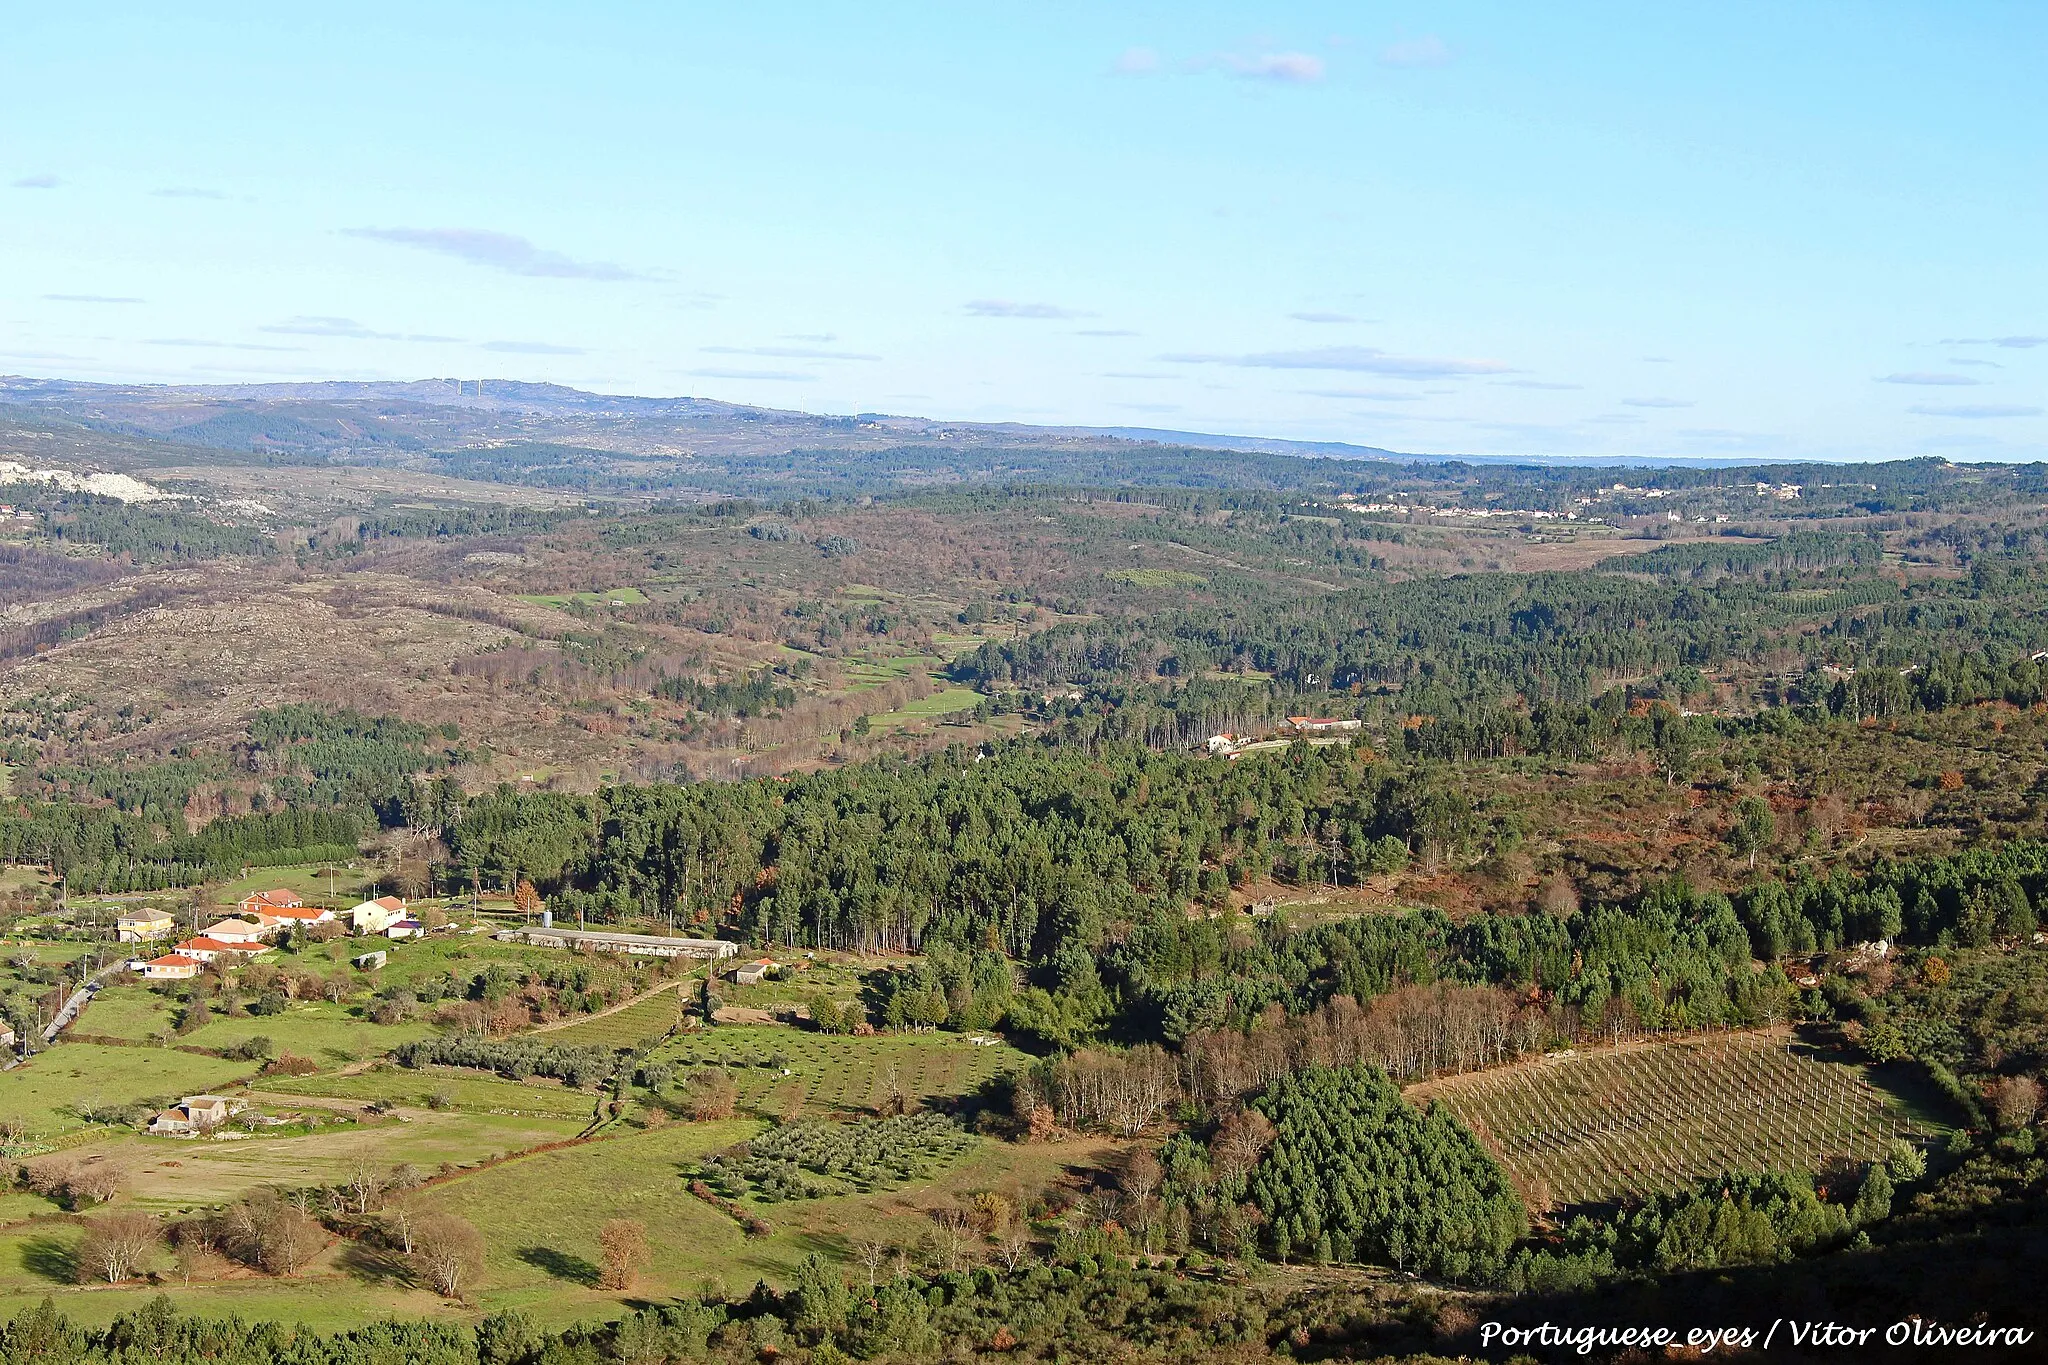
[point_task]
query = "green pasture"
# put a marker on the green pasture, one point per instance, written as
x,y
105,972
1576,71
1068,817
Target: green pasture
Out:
x,y
628,596
839,1074
635,1026
447,1088
328,1033
46,1092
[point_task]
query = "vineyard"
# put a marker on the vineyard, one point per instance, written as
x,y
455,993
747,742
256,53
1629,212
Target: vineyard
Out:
x,y
1589,1127
633,1027
840,1074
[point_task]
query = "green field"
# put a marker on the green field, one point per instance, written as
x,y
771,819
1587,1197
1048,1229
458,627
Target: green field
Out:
x,y
635,1026
328,1033
942,703
448,1088
343,890
45,1093
840,1075
1589,1127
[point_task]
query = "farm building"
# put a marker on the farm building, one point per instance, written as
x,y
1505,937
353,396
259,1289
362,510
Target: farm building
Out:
x,y
297,914
169,967
207,949
7,1038
755,972
140,926
374,917
1321,725
644,945
405,928
195,1114
266,902
370,962
235,931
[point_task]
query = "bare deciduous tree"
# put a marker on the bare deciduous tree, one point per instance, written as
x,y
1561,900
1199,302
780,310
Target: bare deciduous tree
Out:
x,y
448,1251
116,1246
622,1245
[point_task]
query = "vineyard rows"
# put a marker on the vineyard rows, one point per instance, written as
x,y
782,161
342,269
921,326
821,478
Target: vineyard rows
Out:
x,y
1589,1127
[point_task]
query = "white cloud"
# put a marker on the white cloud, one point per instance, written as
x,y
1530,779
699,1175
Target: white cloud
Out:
x,y
1932,379
1322,317
1975,410
1286,68
1656,402
1355,359
217,345
1427,50
1136,61
499,250
1007,308
92,298
37,182
2013,342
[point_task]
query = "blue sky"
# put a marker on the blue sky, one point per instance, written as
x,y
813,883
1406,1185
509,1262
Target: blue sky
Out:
x,y
1770,230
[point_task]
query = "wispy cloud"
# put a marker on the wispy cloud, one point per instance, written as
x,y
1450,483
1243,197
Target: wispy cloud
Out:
x,y
1285,68
1427,50
1355,359
1368,395
200,344
1974,410
1975,360
1007,308
789,353
1135,61
186,192
2020,343
1927,377
815,338
532,348
37,182
1656,402
1105,332
1535,384
778,376
1618,419
92,298
1658,360
1322,317
498,250
344,327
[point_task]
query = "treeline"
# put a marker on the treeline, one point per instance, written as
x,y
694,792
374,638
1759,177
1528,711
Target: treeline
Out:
x,y
579,1068
758,694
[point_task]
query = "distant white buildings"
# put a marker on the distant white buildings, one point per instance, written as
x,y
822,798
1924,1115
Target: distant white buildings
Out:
x,y
642,945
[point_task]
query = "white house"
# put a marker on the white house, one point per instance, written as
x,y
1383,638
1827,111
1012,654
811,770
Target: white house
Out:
x,y
405,928
207,949
235,931
374,917
140,926
269,902
195,1114
169,967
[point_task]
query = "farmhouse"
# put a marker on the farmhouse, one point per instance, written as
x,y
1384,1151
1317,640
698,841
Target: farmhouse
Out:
x,y
169,967
645,945
1321,725
266,902
235,931
207,949
405,928
195,1114
6,1036
140,926
374,917
296,914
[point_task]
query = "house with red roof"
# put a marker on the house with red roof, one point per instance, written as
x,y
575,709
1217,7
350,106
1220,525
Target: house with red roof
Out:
x,y
269,902
169,967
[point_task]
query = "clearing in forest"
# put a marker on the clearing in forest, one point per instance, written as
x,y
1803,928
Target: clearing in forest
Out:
x,y
1587,1127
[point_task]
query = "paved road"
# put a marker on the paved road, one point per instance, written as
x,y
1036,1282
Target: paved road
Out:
x,y
78,1001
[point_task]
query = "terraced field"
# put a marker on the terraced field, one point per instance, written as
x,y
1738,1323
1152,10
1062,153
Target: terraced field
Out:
x,y
1589,1127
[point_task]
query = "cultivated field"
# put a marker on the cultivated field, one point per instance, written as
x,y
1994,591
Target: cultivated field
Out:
x,y
839,1074
635,1026
1588,1127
